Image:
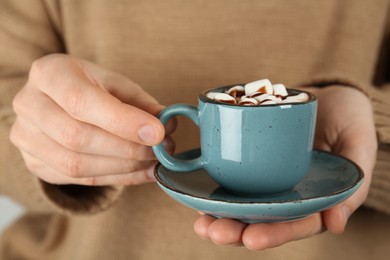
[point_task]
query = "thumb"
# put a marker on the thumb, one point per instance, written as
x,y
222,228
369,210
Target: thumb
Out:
x,y
122,88
96,96
364,155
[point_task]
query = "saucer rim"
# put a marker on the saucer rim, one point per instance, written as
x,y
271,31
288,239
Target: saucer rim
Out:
x,y
359,180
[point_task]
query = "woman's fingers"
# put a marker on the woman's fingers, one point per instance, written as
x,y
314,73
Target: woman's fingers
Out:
x,y
85,101
79,123
122,88
76,135
256,236
126,91
50,175
268,235
67,162
202,224
220,231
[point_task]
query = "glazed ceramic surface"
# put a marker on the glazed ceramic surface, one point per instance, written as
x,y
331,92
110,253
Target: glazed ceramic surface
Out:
x,y
248,150
330,180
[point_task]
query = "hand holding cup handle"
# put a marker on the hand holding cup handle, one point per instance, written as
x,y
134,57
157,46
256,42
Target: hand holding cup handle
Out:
x,y
98,125
162,155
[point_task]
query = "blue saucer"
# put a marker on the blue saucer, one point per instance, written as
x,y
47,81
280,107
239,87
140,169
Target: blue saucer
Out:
x,y
331,179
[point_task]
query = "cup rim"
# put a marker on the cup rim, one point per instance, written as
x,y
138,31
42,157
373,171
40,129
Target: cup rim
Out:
x,y
204,98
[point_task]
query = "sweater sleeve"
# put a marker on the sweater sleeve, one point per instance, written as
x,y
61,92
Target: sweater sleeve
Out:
x,y
28,31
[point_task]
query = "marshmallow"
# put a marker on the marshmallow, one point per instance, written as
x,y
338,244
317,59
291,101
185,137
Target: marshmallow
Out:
x,y
301,97
226,98
279,90
262,97
263,86
236,91
211,95
248,101
268,102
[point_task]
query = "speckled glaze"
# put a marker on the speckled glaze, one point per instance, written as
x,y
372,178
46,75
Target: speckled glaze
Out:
x,y
330,180
248,150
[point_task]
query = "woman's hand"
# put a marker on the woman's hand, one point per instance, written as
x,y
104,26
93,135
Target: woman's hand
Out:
x,y
345,126
80,124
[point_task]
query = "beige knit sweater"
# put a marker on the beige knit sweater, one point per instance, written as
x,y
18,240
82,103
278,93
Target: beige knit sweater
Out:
x,y
175,49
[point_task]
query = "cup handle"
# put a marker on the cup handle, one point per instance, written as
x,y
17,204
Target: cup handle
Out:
x,y
166,159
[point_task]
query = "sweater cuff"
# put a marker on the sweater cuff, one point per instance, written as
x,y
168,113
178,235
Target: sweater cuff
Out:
x,y
79,199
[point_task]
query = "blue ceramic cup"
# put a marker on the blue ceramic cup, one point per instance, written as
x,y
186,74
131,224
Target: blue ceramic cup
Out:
x,y
248,150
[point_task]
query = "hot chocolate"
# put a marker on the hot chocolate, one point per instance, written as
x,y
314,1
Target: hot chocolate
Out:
x,y
257,93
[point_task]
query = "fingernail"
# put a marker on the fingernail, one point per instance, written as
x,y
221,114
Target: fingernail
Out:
x,y
147,134
169,145
150,172
346,212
